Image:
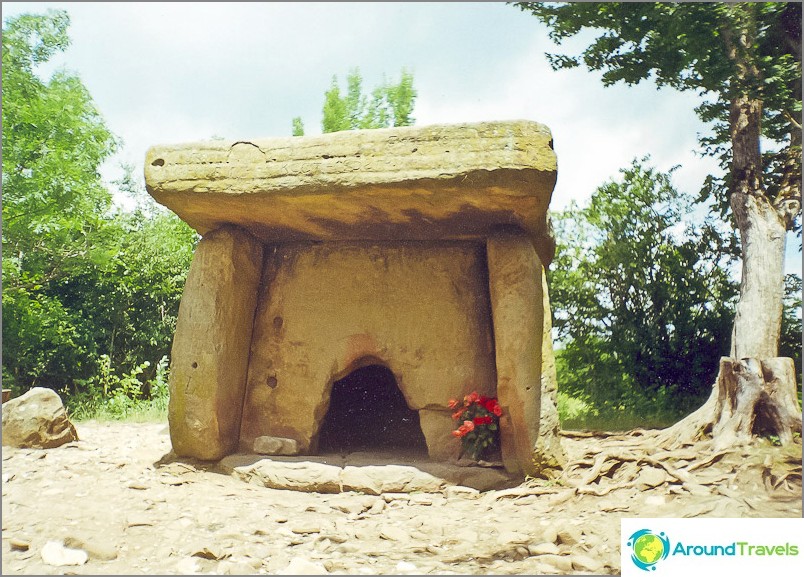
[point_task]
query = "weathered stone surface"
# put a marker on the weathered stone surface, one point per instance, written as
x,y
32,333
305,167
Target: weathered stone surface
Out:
x,y
437,427
275,446
515,283
433,182
299,476
211,345
377,480
38,420
548,455
421,309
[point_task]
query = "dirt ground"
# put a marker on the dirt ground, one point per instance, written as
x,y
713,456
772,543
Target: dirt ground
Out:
x,y
114,495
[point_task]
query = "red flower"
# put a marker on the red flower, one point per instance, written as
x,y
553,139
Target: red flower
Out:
x,y
497,410
470,426
490,404
453,403
457,415
457,433
482,420
471,398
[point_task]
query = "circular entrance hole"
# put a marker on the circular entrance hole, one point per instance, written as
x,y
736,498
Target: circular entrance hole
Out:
x,y
367,412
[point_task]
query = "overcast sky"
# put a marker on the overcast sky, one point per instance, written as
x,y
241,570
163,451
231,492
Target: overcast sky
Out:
x,y
164,73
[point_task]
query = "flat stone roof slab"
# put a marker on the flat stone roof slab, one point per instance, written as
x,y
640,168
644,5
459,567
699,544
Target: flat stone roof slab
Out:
x,y
418,183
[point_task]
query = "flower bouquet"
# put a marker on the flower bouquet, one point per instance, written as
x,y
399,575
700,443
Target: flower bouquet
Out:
x,y
479,429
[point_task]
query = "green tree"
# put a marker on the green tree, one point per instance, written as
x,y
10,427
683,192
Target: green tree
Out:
x,y
642,301
54,141
388,105
744,60
88,290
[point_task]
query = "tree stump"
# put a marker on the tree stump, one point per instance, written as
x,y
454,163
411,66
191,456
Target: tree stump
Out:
x,y
750,397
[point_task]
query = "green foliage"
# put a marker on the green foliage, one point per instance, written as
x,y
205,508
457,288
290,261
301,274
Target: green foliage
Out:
x,y
720,50
571,409
389,105
790,344
298,126
108,396
89,292
642,302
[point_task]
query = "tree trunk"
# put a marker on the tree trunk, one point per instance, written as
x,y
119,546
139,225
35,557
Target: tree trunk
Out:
x,y
750,397
758,319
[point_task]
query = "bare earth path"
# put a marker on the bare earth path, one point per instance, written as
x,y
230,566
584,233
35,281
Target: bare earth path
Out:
x,y
108,495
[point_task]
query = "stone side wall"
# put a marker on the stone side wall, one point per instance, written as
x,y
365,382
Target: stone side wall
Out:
x,y
421,309
209,358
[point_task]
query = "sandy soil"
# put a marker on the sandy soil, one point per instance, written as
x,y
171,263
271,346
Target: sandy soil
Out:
x,y
114,495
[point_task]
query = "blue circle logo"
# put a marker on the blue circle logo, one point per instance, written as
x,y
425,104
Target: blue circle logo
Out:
x,y
648,548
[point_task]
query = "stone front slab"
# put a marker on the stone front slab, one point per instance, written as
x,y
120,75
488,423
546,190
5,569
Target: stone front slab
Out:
x,y
433,182
420,309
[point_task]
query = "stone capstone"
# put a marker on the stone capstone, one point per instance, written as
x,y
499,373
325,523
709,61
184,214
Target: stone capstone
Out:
x,y
434,182
37,420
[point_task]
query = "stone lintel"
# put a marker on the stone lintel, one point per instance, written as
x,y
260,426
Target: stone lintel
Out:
x,y
412,183
516,293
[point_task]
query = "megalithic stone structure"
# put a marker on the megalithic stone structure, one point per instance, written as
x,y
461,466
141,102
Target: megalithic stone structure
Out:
x,y
421,249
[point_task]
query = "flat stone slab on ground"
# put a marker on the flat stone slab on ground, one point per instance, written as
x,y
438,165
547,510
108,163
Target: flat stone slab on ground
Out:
x,y
361,473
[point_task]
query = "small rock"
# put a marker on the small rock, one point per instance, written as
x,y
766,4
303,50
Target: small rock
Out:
x,y
561,562
56,554
233,568
406,567
275,446
38,420
305,527
389,497
377,507
391,533
586,563
656,500
650,477
188,566
568,536
19,544
211,552
550,535
96,548
459,491
139,520
543,549
425,500
511,538
300,566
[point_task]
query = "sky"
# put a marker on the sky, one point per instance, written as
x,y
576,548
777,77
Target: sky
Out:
x,y
166,73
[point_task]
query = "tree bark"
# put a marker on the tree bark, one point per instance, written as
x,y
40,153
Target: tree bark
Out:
x,y
750,397
758,319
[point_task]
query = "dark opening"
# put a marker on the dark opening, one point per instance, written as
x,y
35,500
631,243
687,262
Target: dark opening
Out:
x,y
367,411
